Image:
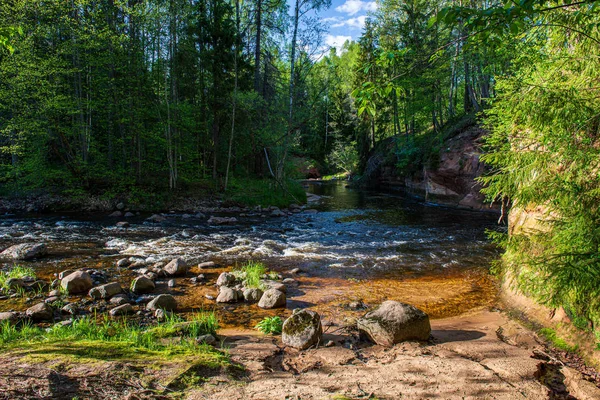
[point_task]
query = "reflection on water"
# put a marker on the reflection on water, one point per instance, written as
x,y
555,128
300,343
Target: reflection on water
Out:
x,y
360,245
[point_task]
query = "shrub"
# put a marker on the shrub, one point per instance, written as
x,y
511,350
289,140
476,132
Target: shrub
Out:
x,y
270,325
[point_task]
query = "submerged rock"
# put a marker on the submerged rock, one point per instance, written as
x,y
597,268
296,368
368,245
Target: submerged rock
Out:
x,y
164,302
302,330
77,282
275,285
156,218
25,251
142,285
40,312
222,220
176,267
105,291
272,298
394,322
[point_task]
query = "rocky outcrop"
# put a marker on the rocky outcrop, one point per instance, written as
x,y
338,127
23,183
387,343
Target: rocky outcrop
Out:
x,y
448,178
394,322
302,330
25,251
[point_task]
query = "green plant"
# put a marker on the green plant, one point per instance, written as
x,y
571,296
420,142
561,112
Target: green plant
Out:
x,y
551,336
17,272
251,274
270,325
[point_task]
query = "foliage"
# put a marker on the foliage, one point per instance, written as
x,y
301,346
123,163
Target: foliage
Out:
x,y
344,157
270,325
252,273
265,193
17,272
123,333
550,335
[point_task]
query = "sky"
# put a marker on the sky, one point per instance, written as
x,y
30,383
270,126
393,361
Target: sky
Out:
x,y
345,20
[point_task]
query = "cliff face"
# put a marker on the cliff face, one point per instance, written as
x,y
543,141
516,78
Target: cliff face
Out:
x,y
452,182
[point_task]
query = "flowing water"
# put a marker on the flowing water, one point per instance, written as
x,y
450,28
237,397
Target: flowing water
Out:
x,y
361,245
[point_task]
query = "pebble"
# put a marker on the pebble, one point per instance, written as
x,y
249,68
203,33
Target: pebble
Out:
x,y
171,283
209,297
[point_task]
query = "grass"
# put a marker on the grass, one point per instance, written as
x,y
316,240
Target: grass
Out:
x,y
17,272
552,337
115,338
251,273
265,192
270,325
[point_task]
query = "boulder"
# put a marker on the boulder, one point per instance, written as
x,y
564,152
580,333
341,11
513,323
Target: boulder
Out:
x,y
122,224
25,251
105,291
226,279
275,285
171,283
208,339
164,302
142,284
123,309
272,298
119,300
77,282
227,295
176,267
116,214
40,312
302,330
11,317
252,295
128,214
15,283
394,322
123,263
156,218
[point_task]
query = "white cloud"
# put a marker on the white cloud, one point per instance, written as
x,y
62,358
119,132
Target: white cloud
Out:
x,y
331,19
351,7
336,41
358,22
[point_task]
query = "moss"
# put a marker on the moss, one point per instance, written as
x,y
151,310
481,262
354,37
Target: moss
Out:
x,y
558,342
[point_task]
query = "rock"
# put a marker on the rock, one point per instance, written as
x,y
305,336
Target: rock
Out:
x,y
161,315
55,292
119,300
65,273
272,298
55,284
226,279
123,263
25,251
310,211
77,282
129,214
142,284
227,295
207,265
176,267
123,309
156,218
209,297
278,213
116,214
70,309
330,343
120,206
164,302
15,283
208,339
51,299
295,271
252,295
221,220
105,291
302,330
289,281
357,305
275,285
122,224
40,312
171,283
11,317
393,322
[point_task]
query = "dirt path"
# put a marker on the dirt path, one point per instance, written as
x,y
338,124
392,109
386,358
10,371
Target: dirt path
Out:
x,y
478,356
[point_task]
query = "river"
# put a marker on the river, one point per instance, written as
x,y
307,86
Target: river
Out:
x,y
361,246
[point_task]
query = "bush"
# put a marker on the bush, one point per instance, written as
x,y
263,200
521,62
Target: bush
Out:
x,y
270,325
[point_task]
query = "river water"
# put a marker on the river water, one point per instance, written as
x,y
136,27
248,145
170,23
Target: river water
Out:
x,y
361,245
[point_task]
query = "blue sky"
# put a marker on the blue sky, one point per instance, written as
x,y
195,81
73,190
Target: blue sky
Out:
x,y
345,20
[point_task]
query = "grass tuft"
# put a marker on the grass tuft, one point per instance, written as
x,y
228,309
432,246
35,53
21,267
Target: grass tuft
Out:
x,y
251,273
17,272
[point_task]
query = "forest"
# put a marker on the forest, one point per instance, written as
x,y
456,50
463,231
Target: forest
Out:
x,y
120,96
